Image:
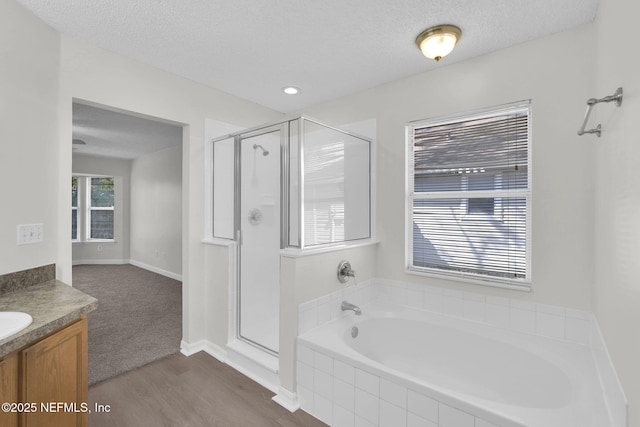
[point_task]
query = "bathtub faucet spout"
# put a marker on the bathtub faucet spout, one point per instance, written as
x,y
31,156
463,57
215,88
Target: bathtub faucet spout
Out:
x,y
348,306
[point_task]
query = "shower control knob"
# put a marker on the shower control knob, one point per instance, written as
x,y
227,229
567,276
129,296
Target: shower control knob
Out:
x,y
255,216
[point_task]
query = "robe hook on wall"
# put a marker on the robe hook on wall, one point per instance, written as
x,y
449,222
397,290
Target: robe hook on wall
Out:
x,y
617,97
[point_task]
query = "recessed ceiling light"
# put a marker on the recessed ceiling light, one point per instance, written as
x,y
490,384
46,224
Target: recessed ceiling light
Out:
x,y
290,90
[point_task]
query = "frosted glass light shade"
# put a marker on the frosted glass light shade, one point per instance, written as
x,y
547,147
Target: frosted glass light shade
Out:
x,y
438,42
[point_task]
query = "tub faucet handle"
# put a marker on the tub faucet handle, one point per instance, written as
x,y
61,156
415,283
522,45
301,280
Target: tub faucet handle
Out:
x,y
345,271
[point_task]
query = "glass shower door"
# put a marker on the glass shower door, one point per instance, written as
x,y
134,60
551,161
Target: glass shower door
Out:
x,y
259,222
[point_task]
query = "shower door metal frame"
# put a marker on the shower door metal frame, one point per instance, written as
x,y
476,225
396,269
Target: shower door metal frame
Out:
x,y
285,178
284,127
301,149
238,138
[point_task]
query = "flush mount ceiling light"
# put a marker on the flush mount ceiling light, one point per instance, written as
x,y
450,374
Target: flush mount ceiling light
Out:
x,y
437,42
290,90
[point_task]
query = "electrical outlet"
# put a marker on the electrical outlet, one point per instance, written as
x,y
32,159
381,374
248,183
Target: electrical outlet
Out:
x,y
99,248
30,233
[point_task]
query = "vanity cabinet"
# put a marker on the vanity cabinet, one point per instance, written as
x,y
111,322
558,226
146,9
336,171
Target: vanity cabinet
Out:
x,y
51,376
9,388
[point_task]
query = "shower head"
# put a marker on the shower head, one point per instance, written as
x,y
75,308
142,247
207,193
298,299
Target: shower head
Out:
x,y
264,152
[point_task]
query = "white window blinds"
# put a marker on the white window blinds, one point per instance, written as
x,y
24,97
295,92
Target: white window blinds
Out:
x,y
469,195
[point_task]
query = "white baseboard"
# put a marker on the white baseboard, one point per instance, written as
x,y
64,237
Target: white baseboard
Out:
x,y
157,270
190,349
253,365
99,261
287,399
204,345
139,264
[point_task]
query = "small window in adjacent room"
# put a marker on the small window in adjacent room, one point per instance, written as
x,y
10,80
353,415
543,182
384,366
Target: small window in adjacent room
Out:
x,y
469,196
74,209
100,215
92,208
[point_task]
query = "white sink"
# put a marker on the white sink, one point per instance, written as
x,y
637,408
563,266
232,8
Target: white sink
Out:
x,y
12,322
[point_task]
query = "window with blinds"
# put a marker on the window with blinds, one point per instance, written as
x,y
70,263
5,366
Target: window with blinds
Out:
x,y
100,208
469,195
92,208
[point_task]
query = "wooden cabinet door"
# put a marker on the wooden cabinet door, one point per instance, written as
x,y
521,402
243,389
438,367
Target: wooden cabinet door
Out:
x,y
9,388
54,373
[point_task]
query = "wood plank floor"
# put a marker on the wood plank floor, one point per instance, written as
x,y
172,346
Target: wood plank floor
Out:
x,y
195,391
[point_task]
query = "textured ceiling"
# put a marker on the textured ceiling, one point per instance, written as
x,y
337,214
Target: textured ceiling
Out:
x,y
117,135
328,48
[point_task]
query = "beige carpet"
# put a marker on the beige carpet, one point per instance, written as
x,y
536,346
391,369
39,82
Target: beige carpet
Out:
x,y
138,320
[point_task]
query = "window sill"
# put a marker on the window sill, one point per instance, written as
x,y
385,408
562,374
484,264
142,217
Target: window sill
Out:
x,y
298,253
217,241
524,286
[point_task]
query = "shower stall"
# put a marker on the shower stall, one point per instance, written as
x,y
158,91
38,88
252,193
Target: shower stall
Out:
x,y
293,185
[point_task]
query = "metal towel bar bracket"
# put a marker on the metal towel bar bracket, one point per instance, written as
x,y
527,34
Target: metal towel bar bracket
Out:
x,y
617,97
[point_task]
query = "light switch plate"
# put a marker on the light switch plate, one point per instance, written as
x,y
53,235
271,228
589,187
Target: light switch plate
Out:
x,y
30,233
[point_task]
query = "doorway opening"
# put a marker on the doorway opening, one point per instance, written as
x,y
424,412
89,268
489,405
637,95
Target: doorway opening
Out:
x,y
127,234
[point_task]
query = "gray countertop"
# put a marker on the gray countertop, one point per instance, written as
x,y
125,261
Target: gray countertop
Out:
x,y
52,305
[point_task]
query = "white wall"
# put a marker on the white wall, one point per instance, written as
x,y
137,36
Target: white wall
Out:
x,y
303,278
41,73
558,84
29,71
617,193
586,191
106,252
562,176
148,211
96,75
310,277
156,211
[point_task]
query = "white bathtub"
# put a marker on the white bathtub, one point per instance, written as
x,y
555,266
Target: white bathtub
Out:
x,y
413,367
